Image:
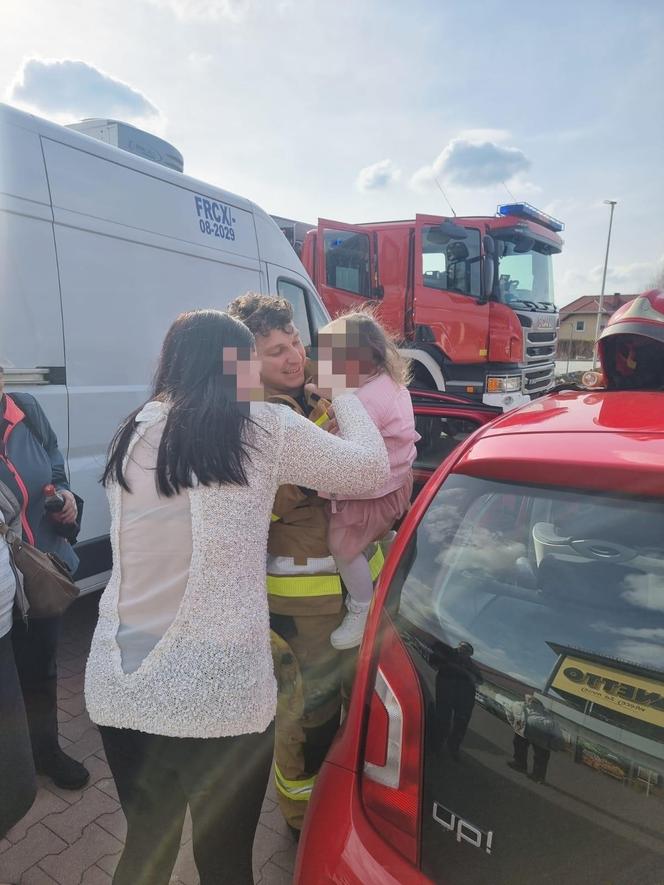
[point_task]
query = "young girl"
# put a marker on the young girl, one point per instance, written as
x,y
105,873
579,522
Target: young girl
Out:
x,y
356,353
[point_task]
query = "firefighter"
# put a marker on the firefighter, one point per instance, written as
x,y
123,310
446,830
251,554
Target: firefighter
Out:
x,y
304,590
631,347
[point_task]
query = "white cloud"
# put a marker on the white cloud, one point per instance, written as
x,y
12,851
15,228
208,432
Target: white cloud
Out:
x,y
206,10
641,652
563,208
74,88
475,159
479,164
378,176
424,179
625,278
644,593
200,61
523,188
481,135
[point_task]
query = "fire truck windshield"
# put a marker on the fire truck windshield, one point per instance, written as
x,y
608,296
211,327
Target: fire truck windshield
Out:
x,y
525,277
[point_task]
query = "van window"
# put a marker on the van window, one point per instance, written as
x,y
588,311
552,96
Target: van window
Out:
x,y
295,294
347,261
319,317
452,265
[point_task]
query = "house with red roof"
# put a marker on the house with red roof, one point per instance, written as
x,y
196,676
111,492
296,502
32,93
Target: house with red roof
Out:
x,y
578,322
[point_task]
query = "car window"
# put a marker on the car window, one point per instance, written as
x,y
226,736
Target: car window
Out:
x,y
295,294
440,434
534,618
528,575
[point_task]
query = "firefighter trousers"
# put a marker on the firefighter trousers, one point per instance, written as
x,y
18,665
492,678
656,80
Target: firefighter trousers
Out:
x,y
311,675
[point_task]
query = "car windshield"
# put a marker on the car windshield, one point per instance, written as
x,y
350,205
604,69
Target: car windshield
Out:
x,y
543,582
525,276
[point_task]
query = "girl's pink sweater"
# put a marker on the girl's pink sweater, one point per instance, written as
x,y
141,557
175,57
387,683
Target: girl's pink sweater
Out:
x,y
390,407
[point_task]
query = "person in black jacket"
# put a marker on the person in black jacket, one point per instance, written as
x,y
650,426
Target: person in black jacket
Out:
x,y
456,680
29,460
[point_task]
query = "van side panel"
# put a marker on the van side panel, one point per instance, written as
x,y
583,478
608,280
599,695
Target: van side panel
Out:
x,y
95,187
127,270
31,334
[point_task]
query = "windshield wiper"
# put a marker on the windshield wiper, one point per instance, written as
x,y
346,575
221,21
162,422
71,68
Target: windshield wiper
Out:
x,y
531,305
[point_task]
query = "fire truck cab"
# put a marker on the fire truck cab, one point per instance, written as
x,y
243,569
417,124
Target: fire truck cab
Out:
x,y
470,299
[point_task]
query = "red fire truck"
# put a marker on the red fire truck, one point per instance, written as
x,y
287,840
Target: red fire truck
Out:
x,y
470,299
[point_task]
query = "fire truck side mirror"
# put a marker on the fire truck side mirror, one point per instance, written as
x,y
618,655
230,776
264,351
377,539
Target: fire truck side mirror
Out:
x,y
446,231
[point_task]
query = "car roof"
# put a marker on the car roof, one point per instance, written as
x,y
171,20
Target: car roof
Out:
x,y
603,411
610,441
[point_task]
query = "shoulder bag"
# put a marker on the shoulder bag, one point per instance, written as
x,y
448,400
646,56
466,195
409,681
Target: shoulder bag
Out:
x,y
47,581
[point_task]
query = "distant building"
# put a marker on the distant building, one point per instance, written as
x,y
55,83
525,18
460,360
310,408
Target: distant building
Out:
x,y
578,322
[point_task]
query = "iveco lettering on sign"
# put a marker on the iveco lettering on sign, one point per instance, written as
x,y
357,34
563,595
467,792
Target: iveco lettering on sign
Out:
x,y
215,219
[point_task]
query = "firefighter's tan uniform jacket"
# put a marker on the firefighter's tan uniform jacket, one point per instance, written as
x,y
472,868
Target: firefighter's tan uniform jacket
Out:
x,y
305,601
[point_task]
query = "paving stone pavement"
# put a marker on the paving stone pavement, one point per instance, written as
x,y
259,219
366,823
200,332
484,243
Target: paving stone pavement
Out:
x,y
75,837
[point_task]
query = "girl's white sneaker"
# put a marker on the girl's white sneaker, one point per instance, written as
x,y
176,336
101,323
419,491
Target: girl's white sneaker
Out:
x,y
350,631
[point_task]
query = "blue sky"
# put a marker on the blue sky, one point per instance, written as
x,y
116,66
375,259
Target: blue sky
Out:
x,y
346,110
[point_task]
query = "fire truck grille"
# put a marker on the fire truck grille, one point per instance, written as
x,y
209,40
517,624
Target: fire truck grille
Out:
x,y
541,346
538,379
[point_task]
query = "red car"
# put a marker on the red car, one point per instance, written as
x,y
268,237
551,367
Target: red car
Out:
x,y
507,720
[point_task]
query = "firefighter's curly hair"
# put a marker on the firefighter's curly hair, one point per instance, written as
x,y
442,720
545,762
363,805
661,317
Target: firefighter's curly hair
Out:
x,y
262,313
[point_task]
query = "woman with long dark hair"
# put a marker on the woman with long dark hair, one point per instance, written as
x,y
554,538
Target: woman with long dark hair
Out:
x,y
180,676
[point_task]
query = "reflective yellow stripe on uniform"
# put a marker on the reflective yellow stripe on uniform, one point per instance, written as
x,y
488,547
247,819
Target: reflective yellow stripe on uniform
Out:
x,y
299,790
377,562
274,518
302,586
322,419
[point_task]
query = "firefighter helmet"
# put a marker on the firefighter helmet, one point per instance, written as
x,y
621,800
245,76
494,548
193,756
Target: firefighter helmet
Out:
x,y
631,347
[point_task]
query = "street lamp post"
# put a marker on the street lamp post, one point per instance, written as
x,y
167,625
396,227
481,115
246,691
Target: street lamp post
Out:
x,y
570,342
600,307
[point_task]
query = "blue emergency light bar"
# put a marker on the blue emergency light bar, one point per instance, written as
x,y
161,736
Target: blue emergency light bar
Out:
x,y
530,213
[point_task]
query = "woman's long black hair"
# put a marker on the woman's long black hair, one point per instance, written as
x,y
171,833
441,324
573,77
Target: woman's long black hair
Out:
x,y
204,437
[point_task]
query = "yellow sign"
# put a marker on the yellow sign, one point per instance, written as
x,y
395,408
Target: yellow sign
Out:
x,y
630,695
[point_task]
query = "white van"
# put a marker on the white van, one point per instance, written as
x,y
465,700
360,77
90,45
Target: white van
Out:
x,y
99,251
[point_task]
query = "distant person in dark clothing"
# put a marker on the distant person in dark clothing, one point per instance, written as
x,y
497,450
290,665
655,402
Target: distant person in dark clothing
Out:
x,y
535,727
30,460
17,771
456,680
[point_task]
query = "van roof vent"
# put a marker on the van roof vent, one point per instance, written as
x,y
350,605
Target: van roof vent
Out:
x,y
133,140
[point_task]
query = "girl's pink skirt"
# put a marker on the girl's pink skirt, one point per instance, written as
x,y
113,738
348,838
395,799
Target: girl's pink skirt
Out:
x,y
359,522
